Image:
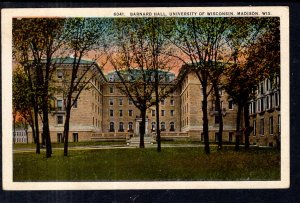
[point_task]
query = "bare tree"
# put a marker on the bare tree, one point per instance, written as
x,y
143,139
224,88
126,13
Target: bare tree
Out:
x,y
202,44
83,35
142,66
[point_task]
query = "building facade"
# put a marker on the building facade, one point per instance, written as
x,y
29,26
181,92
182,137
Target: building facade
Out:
x,y
264,113
103,112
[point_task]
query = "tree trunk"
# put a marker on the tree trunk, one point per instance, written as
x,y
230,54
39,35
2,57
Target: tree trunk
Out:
x,y
247,126
34,100
142,127
46,131
67,126
31,124
205,119
37,130
157,113
238,122
33,133
218,107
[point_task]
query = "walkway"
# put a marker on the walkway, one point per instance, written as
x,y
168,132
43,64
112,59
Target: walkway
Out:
x,y
22,150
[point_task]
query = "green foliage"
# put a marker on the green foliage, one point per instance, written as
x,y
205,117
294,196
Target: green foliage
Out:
x,y
175,164
22,93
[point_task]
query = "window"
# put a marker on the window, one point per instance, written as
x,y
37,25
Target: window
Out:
x,y
220,92
130,126
153,112
216,137
172,112
162,102
121,127
217,119
172,102
111,112
254,127
121,113
59,74
120,102
75,137
153,124
129,112
261,127
93,121
111,89
172,126
59,104
59,120
162,126
230,136
250,108
111,127
261,88
271,125
230,104
59,137
130,102
111,102
276,99
254,107
75,104
268,104
202,137
162,112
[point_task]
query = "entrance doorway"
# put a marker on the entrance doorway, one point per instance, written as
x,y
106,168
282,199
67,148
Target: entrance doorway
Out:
x,y
138,123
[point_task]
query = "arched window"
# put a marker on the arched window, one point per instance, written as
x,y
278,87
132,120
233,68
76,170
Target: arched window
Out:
x,y
121,127
130,126
162,126
111,127
172,126
153,124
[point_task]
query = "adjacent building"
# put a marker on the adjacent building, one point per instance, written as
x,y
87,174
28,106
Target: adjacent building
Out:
x,y
264,113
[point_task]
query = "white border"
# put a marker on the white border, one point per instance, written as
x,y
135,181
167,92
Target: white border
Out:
x,y
7,167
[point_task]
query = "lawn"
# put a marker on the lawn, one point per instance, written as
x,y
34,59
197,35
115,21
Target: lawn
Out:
x,y
70,144
148,165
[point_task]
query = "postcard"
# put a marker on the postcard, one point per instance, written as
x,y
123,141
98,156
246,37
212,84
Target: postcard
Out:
x,y
145,98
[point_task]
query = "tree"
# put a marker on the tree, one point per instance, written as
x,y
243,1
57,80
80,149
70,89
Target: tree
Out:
x,y
159,56
141,66
83,35
38,40
202,43
256,56
22,103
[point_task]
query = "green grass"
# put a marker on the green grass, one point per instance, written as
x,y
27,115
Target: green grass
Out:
x,y
70,144
148,165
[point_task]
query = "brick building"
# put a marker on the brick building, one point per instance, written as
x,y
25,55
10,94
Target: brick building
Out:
x,y
102,112
264,113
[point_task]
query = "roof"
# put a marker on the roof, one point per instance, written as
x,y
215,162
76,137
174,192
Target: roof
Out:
x,y
70,60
